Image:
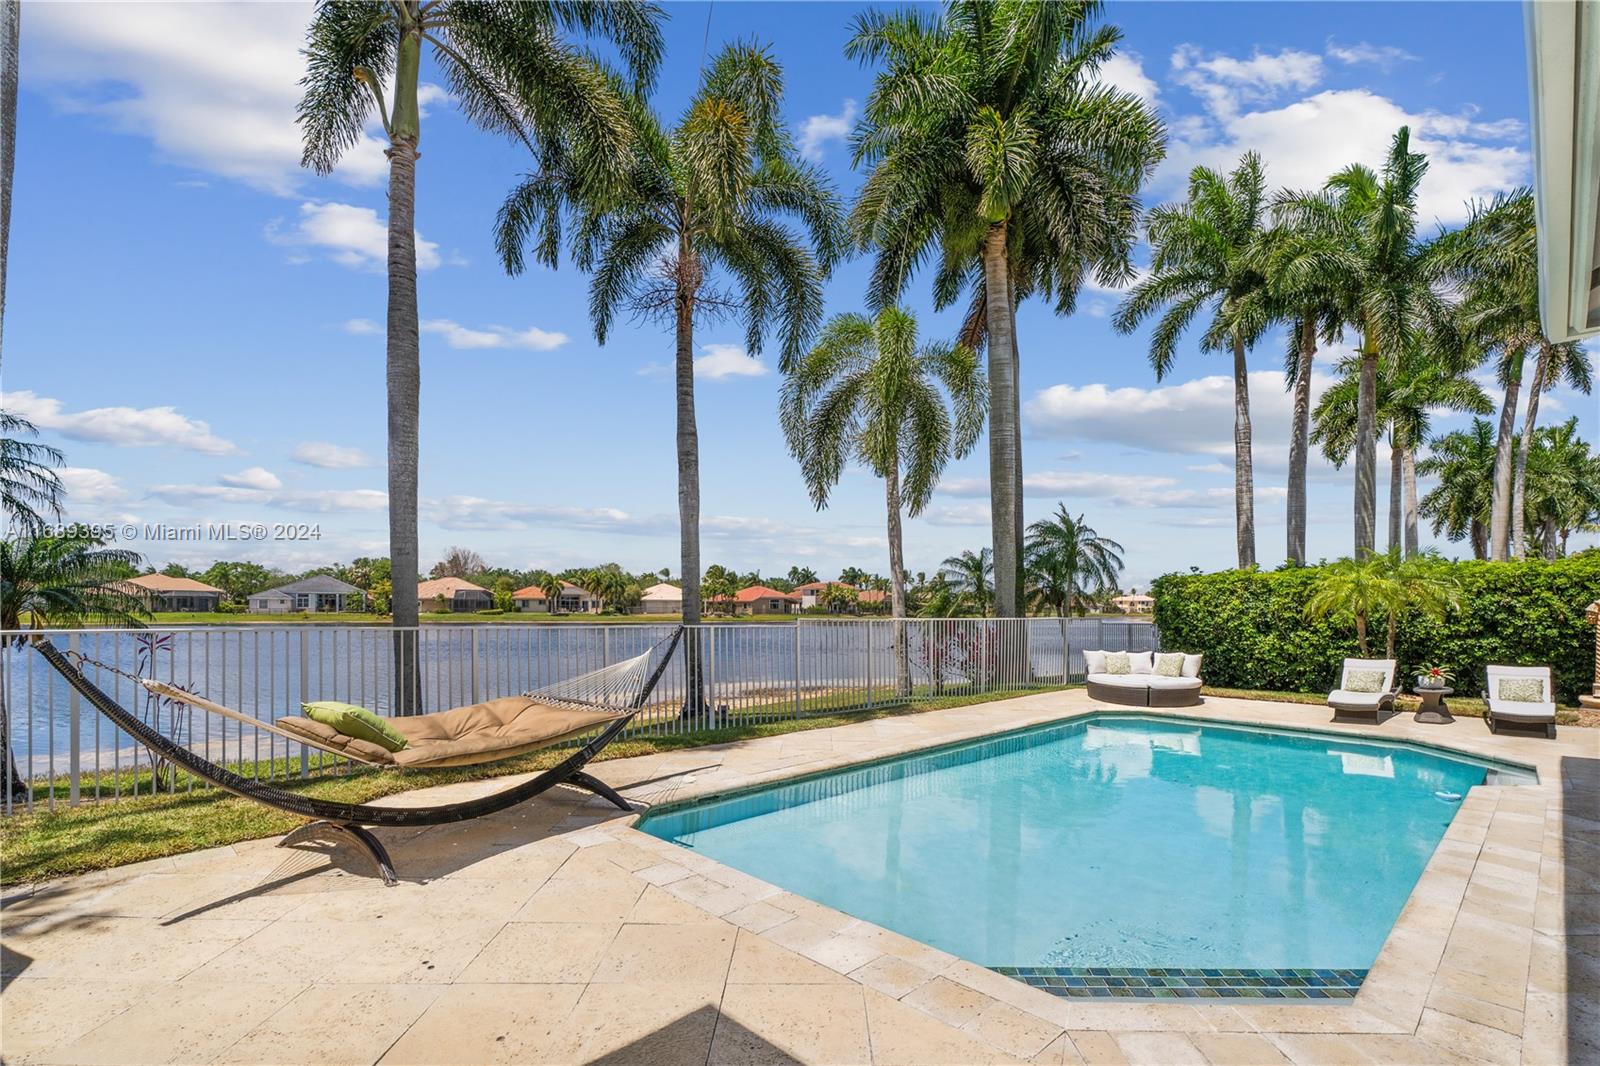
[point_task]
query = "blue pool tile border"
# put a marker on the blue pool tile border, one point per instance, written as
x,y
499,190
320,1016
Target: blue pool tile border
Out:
x,y
1102,982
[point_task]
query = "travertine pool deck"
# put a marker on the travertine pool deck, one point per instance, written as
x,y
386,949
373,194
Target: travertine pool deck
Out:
x,y
556,933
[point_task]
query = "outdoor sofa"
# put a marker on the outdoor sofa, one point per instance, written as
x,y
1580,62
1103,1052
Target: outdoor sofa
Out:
x,y
1521,695
1135,678
1367,687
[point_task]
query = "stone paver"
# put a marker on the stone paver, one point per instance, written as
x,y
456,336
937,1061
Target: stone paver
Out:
x,y
556,933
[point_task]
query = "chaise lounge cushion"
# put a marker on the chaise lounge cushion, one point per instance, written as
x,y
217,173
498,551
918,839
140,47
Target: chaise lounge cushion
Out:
x,y
1121,680
1357,701
1162,681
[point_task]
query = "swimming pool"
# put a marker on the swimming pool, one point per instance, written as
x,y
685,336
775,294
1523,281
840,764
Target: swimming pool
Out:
x,y
1113,842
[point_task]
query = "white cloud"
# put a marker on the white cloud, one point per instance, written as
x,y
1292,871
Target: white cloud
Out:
x,y
330,456
459,336
1224,82
128,427
1306,141
818,130
1384,55
1125,71
362,327
478,513
256,477
351,236
86,485
213,86
961,514
1186,418
728,361
653,370
317,501
429,94
1124,490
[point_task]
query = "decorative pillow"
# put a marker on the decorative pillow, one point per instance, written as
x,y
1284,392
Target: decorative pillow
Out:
x,y
1191,665
1094,662
1170,664
1117,663
1520,689
1363,680
358,722
1139,662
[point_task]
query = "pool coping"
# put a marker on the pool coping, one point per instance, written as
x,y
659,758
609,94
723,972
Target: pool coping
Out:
x,y
1396,994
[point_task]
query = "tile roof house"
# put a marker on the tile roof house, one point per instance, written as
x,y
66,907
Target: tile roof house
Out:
x,y
759,599
453,594
163,593
661,599
573,600
811,595
320,592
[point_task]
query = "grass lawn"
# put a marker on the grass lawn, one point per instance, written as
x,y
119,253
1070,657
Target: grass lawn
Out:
x,y
96,836
1460,706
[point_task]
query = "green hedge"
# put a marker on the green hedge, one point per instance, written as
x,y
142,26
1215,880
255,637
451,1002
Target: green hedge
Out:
x,y
1252,627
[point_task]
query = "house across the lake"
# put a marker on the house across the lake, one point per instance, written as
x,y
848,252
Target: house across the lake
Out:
x,y
163,593
810,595
453,594
661,599
759,599
319,592
572,600
1134,602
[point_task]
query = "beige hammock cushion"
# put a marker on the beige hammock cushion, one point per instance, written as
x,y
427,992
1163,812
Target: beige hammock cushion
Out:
x,y
463,736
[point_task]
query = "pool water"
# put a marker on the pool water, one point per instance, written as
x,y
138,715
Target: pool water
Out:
x,y
1110,841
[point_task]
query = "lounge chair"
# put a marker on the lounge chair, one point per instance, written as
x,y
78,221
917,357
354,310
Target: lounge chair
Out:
x,y
604,700
1364,700
1522,695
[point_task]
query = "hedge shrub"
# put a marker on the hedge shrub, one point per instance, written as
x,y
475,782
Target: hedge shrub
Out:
x,y
1252,627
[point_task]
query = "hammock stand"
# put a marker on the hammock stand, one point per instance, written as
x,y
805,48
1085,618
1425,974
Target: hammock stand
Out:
x,y
349,820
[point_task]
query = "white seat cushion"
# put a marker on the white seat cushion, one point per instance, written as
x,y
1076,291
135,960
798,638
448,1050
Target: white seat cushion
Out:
x,y
1159,681
1122,680
1342,698
1523,712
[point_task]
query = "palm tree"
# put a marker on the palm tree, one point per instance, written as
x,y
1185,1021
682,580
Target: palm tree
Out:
x,y
1563,486
995,150
30,488
1207,252
552,588
1385,585
1367,230
513,72
1409,388
57,581
1070,562
868,392
1459,506
971,575
10,37
1299,257
1494,259
710,196
1555,363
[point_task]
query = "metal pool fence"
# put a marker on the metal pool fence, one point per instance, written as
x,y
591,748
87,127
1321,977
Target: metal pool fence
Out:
x,y
63,752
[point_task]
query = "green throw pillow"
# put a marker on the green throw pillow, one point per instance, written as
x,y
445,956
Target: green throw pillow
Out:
x,y
358,722
1521,689
1170,664
1363,680
1117,663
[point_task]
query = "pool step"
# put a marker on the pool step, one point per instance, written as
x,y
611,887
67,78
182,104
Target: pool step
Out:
x,y
1091,982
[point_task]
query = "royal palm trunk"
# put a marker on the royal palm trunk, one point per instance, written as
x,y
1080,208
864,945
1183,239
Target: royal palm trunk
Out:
x,y
1519,472
1500,496
688,435
897,583
10,36
1003,459
1244,494
1366,464
403,369
1396,473
1408,472
1300,442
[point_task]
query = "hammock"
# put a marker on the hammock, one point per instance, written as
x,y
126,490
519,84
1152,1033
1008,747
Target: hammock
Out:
x,y
608,699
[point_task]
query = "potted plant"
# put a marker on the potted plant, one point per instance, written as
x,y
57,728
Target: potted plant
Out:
x,y
1434,677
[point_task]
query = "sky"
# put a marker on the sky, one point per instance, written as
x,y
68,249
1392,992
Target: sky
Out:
x,y
195,320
